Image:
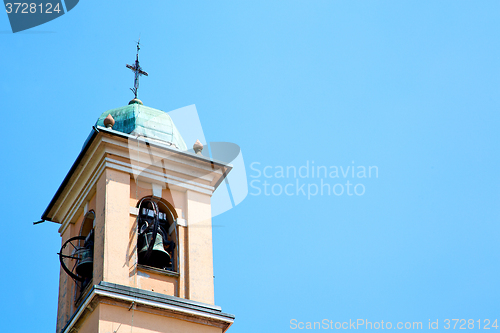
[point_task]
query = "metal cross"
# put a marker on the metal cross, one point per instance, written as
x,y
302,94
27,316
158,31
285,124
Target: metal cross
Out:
x,y
137,70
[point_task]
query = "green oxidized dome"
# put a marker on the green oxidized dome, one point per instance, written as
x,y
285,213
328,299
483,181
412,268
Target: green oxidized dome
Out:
x,y
137,119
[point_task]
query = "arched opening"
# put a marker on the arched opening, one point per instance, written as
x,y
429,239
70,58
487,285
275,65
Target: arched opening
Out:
x,y
88,224
157,238
85,265
77,256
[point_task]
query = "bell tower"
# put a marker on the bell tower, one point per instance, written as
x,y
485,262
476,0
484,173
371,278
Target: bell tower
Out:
x,y
136,231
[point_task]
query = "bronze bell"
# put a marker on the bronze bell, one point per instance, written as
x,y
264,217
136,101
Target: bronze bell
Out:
x,y
158,258
86,263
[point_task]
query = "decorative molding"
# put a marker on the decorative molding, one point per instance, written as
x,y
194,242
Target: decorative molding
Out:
x,y
133,169
159,176
78,176
135,296
160,151
81,197
82,181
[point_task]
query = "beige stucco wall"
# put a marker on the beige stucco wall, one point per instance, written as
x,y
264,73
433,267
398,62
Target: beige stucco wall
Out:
x,y
120,319
112,228
115,253
111,196
200,254
157,282
90,324
65,295
66,302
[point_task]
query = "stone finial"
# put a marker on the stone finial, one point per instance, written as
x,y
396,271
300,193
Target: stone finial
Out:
x,y
198,147
109,122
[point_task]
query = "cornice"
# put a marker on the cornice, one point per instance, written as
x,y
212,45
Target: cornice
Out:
x,y
181,308
180,171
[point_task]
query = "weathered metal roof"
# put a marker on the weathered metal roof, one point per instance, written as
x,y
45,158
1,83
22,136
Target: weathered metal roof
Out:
x,y
137,119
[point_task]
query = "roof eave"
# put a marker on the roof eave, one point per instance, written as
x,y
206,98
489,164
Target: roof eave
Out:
x,y
226,168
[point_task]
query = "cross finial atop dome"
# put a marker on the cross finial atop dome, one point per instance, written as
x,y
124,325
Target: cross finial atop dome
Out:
x,y
137,70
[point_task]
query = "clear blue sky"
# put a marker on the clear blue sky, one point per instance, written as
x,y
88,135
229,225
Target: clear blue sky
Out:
x,y
411,87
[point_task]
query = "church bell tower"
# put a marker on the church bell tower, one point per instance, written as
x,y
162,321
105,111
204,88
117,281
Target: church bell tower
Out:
x,y
135,215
